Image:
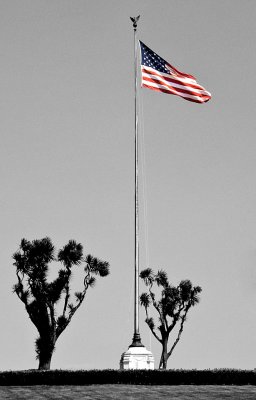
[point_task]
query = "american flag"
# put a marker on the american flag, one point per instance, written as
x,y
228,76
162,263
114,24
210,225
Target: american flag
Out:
x,y
158,74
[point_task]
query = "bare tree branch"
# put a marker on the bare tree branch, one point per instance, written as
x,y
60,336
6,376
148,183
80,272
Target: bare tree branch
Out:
x,y
183,319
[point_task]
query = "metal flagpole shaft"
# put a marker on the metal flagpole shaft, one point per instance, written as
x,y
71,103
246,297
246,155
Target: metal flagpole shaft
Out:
x,y
136,338
137,356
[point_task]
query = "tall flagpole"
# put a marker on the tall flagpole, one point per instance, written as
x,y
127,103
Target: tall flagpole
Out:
x,y
136,337
137,356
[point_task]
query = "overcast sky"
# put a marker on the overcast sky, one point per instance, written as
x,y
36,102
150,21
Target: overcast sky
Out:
x,y
67,170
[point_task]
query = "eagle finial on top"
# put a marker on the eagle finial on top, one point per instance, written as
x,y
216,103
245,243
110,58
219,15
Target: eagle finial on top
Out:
x,y
135,20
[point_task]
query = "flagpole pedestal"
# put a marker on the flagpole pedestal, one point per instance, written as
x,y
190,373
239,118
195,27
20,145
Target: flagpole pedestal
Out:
x,y
137,357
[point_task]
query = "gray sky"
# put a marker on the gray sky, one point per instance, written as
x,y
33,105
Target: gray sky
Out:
x,y
67,159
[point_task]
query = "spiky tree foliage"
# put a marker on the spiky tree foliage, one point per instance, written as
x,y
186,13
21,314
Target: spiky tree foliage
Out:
x,y
40,297
172,308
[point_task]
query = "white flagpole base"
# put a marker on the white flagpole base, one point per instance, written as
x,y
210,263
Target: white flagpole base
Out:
x,y
137,358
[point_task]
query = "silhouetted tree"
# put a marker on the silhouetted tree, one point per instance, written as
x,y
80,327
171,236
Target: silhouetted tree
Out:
x,y
41,297
172,308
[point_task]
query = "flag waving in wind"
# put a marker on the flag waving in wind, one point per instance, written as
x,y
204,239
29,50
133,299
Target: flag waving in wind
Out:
x,y
159,75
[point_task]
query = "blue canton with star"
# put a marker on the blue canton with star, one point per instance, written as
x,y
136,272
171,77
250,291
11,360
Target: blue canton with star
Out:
x,y
150,59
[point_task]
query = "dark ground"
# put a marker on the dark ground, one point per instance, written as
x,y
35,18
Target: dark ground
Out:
x,y
125,392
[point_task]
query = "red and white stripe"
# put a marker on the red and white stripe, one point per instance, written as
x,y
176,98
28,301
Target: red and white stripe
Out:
x,y
179,84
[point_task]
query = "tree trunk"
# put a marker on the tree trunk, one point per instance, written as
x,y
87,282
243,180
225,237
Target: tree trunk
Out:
x,y
164,358
45,361
45,348
45,358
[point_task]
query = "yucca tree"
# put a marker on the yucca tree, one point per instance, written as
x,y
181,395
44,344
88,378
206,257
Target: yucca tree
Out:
x,y
40,297
172,308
